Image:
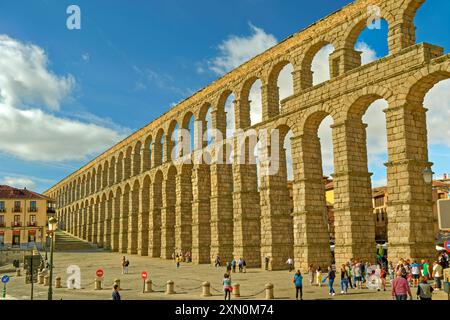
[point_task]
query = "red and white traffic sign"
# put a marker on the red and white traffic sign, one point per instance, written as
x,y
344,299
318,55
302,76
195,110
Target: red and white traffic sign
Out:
x,y
144,275
447,245
99,273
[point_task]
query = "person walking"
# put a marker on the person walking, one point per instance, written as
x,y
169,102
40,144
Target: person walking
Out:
x,y
391,271
233,265
319,276
311,274
266,263
115,293
228,266
240,264
426,272
330,276
290,263
244,265
227,288
217,261
344,279
357,275
400,288
415,272
298,282
383,275
437,275
178,261
424,290
125,264
350,275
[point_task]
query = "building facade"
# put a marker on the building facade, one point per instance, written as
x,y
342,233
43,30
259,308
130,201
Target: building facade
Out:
x,y
137,198
23,218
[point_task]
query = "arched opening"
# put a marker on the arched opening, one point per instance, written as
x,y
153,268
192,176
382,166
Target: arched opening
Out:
x,y
255,100
108,220
285,83
124,216
158,148
429,17
173,147
105,175
320,65
128,163
147,153
137,159
112,172
154,245
144,217
372,41
183,210
115,222
133,220
119,168
187,134
203,134
280,86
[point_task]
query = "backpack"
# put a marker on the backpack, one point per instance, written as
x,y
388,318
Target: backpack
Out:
x,y
127,263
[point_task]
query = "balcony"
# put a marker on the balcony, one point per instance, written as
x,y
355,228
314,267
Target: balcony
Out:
x,y
17,209
2,224
32,224
16,224
2,209
33,209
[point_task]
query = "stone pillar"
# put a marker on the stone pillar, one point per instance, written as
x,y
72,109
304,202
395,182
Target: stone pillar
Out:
x,y
89,222
123,224
107,224
75,228
276,221
409,208
401,35
115,222
221,194
133,222
136,156
101,223
119,170
353,208
183,210
201,214
154,226
342,60
270,100
143,220
247,227
145,159
168,218
82,226
303,79
95,218
311,233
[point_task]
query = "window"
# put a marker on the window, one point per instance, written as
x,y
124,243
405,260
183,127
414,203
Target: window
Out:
x,y
33,207
33,220
17,206
16,222
2,206
2,221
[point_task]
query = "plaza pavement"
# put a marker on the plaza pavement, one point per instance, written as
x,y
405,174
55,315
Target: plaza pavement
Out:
x,y
188,279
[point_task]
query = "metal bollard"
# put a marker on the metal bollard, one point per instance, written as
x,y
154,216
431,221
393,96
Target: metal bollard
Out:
x,y
17,272
40,278
117,281
269,291
236,290
46,280
206,289
148,286
58,282
170,287
98,284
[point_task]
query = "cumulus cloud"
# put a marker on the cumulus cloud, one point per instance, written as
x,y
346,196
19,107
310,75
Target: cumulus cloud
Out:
x,y
19,182
29,95
236,50
438,103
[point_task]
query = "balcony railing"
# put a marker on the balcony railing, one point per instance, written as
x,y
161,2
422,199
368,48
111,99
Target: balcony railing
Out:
x,y
32,209
32,224
2,209
17,209
16,224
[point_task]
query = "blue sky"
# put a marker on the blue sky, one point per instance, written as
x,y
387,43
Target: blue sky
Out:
x,y
131,62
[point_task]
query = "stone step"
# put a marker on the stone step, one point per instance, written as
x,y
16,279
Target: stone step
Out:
x,y
67,242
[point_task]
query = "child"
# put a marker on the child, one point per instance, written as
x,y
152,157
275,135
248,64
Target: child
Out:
x,y
319,276
227,288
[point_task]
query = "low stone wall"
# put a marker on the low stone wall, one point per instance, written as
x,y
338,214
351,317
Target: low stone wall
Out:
x,y
8,256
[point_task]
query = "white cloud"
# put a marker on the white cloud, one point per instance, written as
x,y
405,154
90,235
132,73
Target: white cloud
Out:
x,y
368,54
27,131
437,101
19,182
236,50
86,57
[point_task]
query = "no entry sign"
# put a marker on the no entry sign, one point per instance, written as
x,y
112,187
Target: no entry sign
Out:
x,y
144,275
99,273
447,245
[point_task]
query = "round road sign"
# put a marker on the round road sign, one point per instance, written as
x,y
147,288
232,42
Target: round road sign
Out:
x,y
99,273
144,275
5,279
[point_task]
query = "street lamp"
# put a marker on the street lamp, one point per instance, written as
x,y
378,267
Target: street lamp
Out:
x,y
428,175
52,226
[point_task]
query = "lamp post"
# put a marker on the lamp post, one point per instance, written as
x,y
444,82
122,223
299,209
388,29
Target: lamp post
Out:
x,y
52,225
428,175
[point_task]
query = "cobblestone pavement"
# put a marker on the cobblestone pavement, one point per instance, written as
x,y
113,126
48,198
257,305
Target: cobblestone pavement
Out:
x,y
188,279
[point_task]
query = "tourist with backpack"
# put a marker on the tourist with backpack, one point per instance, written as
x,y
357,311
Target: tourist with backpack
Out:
x,y
330,276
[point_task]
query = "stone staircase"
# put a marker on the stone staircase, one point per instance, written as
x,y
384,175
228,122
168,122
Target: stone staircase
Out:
x,y
66,242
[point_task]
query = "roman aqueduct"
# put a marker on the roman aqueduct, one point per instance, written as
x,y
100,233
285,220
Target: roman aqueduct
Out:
x,y
134,199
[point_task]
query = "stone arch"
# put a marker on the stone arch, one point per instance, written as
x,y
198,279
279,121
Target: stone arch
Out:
x,y
147,153
186,144
93,180
137,158
201,126
112,172
95,218
102,207
244,114
109,205
306,73
171,141
158,148
105,175
90,219
98,183
356,104
183,209
128,162
115,219
119,168
271,92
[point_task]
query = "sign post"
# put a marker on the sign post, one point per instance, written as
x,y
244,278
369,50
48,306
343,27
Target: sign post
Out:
x,y
5,280
447,246
144,277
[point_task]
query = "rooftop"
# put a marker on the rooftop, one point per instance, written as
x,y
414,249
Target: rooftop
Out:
x,y
7,192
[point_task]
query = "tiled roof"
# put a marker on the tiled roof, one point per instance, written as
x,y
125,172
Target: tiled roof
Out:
x,y
7,192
